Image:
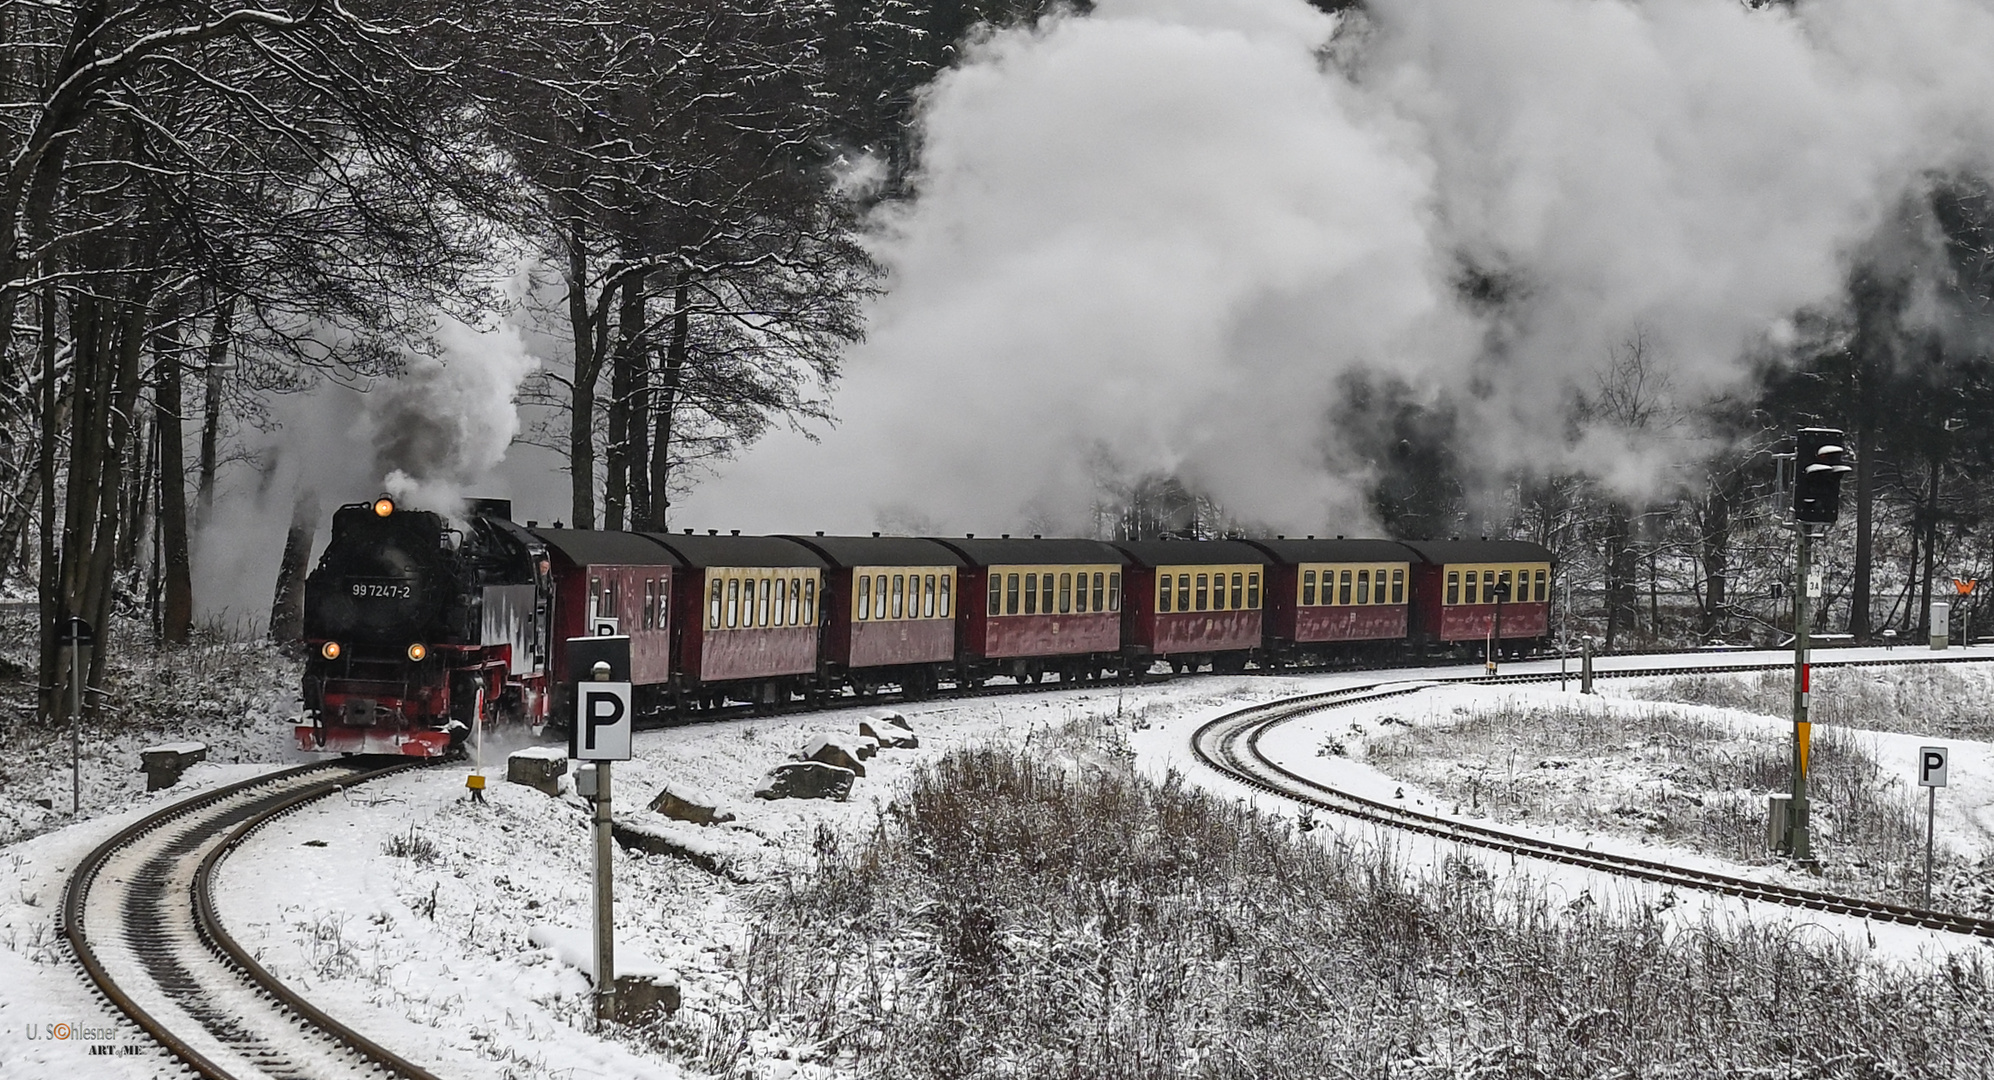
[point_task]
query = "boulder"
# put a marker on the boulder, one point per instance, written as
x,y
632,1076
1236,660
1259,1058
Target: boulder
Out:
x,y
683,802
839,750
163,764
806,780
643,998
890,731
539,767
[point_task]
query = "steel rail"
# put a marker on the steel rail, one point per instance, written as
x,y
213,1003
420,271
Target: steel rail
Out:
x,y
1231,745
155,942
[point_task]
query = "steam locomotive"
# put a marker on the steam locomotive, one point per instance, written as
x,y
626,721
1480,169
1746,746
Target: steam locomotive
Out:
x,y
419,626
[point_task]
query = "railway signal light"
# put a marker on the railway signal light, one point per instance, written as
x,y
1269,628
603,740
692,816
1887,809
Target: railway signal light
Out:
x,y
1820,461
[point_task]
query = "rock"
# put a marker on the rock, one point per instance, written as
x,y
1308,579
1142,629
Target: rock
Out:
x,y
683,802
806,780
839,750
539,767
866,746
643,998
658,838
891,731
163,764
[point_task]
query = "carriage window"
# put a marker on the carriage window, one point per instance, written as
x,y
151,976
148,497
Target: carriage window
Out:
x,y
664,603
796,602
1308,588
1543,587
1080,592
713,611
899,594
1398,586
810,602
879,598
942,608
1343,588
1065,594
996,604
865,596
650,605
1031,594
762,608
1363,586
1469,594
1506,591
1011,594
1163,593
1204,591
595,597
1114,590
1453,586
733,602
1183,592
1239,590
1100,593
928,597
1253,591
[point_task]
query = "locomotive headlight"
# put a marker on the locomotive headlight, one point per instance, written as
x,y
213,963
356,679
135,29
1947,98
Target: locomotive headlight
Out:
x,y
417,651
329,650
383,507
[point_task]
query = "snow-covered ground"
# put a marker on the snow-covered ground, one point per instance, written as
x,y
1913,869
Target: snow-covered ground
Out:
x,y
454,932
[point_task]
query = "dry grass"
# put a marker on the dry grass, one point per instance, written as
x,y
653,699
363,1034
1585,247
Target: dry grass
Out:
x,y
1011,917
1941,700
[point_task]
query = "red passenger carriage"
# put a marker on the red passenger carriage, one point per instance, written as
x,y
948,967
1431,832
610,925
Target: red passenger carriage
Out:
x,y
1039,606
1333,600
889,611
746,612
1193,602
614,583
1459,583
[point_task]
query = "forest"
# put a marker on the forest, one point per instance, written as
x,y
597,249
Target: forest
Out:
x,y
209,205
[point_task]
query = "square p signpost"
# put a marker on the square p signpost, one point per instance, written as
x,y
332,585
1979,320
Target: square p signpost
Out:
x,y
600,734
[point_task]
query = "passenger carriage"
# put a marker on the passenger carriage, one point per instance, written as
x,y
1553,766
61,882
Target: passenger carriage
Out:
x,y
1466,587
745,611
1037,607
614,583
1192,603
890,608
1335,600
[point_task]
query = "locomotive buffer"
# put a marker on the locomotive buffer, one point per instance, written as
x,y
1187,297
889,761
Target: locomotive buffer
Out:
x,y
600,735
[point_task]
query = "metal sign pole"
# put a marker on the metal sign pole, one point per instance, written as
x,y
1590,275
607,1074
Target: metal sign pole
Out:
x,y
605,901
75,722
1931,817
1797,844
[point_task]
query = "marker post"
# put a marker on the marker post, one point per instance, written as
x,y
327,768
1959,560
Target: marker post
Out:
x,y
77,637
1932,777
601,734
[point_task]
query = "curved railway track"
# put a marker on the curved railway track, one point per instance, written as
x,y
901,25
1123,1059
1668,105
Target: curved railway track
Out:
x,y
1230,744
139,916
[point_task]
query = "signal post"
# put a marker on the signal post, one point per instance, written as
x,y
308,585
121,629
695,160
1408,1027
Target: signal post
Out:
x,y
1820,461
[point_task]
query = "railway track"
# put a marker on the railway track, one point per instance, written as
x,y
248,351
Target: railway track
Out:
x,y
1230,744
139,916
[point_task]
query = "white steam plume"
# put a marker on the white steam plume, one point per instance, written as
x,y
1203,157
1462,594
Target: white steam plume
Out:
x,y
1163,232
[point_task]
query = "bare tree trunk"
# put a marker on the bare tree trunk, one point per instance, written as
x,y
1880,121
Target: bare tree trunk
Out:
x,y
287,608
220,340
176,617
665,410
1620,571
1931,544
1717,555
1860,585
622,392
581,411
51,570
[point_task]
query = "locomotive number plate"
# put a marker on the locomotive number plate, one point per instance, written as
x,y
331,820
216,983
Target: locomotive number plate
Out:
x,y
382,590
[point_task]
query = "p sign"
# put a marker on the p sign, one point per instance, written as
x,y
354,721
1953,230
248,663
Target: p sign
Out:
x,y
1932,766
602,721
